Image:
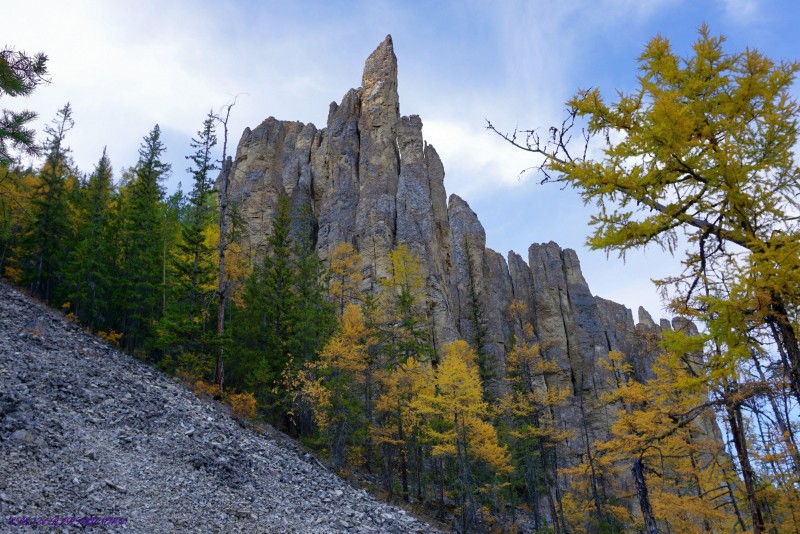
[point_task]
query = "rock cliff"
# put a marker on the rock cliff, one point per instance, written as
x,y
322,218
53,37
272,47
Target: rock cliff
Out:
x,y
370,179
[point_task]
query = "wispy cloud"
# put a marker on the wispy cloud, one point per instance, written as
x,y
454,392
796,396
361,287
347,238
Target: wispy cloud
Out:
x,y
128,64
741,10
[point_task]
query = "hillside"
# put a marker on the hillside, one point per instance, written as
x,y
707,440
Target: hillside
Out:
x,y
86,430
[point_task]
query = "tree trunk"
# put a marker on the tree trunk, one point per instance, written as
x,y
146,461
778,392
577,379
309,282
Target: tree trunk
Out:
x,y
737,433
219,371
786,430
644,497
224,182
786,339
403,456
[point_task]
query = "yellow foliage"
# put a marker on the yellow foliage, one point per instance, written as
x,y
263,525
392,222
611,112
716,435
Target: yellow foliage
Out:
x,y
334,384
346,277
457,400
406,271
13,274
203,388
243,404
110,336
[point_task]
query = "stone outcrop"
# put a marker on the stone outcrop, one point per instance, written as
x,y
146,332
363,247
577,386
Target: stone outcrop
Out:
x,y
370,179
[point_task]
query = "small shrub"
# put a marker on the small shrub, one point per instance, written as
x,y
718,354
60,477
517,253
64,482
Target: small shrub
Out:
x,y
191,364
204,388
111,337
243,404
13,274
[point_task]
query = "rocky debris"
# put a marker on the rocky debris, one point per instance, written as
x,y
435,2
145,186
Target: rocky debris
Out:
x,y
86,430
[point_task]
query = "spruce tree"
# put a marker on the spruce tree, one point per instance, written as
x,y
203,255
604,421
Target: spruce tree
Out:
x,y
184,328
261,329
89,272
142,250
49,211
314,314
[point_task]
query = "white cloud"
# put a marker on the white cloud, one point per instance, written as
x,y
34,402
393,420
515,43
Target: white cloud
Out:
x,y
126,65
740,10
475,160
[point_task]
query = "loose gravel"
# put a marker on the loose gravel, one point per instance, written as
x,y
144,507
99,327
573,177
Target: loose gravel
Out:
x,y
88,431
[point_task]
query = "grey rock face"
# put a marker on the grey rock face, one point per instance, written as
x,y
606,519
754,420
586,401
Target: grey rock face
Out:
x,y
495,302
379,162
417,226
335,175
569,326
468,278
371,180
272,159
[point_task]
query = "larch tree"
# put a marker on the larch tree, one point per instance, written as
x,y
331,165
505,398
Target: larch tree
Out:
x,y
701,154
665,437
345,276
533,433
703,146
399,335
334,385
466,435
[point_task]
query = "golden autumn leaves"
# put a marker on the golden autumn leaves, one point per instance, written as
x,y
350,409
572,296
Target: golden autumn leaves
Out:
x,y
377,388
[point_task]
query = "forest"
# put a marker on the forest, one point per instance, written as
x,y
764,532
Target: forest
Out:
x,y
704,442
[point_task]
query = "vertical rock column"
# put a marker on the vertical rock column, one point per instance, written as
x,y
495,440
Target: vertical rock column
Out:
x,y
379,163
335,165
572,335
271,160
418,228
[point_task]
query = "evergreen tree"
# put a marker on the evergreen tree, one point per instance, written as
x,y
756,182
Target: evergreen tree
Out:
x,y
90,262
314,316
19,76
142,267
184,328
264,328
49,211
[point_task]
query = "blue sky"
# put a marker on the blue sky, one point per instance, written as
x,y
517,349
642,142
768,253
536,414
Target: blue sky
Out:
x,y
126,65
